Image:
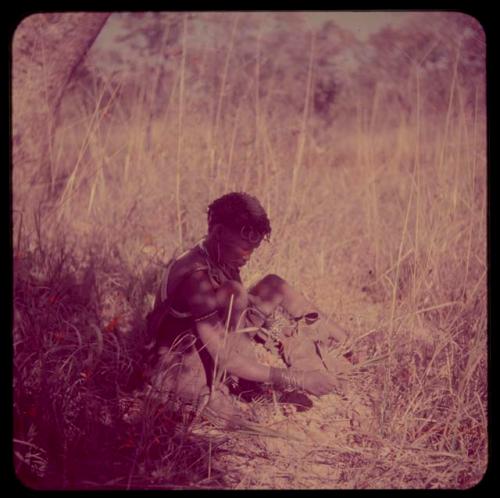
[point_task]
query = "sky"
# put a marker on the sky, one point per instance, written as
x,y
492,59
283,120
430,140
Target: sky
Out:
x,y
361,24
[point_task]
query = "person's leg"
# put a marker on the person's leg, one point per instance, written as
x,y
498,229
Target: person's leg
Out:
x,y
299,351
266,295
178,380
273,290
183,373
308,349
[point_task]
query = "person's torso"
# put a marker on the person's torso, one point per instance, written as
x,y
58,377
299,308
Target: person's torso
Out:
x,y
170,301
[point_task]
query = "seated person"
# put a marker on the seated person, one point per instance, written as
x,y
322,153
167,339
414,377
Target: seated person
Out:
x,y
202,306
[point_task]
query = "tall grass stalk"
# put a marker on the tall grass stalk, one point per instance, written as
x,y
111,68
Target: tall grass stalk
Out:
x,y
71,183
49,115
215,156
302,134
417,186
180,136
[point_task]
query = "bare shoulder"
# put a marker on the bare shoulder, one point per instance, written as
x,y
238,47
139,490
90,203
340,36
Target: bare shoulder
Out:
x,y
189,262
198,293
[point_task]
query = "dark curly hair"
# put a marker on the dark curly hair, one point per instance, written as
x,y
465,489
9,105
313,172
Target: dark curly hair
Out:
x,y
241,212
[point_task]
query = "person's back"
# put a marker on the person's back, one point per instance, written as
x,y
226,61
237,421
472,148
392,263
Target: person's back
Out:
x,y
171,312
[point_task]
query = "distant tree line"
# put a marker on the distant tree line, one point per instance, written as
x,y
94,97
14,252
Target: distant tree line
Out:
x,y
432,54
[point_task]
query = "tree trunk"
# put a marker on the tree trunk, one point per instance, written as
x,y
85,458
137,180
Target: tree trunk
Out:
x,y
46,50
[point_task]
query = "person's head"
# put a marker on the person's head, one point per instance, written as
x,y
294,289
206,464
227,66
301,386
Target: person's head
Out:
x,y
237,223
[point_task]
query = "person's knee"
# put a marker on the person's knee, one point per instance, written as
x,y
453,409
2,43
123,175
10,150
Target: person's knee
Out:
x,y
273,280
269,287
268,293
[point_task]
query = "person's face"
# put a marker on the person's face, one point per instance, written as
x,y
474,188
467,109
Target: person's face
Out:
x,y
235,250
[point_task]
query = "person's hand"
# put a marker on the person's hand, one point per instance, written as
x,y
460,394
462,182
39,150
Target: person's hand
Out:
x,y
319,383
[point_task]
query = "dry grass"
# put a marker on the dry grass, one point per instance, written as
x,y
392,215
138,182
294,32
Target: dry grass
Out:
x,y
382,226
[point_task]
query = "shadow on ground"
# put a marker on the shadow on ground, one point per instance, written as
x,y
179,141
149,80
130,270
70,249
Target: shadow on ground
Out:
x,y
79,356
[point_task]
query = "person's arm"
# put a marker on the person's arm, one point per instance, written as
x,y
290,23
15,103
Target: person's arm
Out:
x,y
201,299
212,332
